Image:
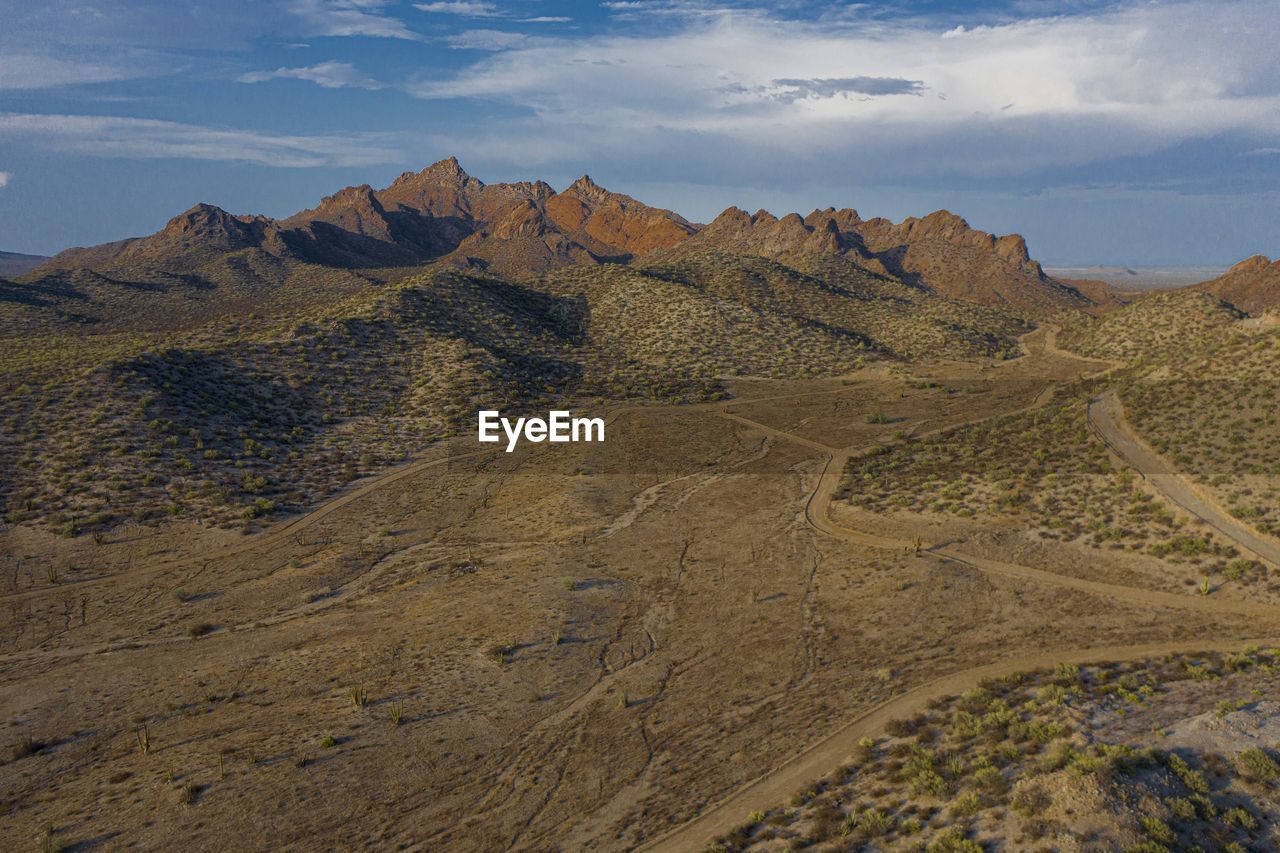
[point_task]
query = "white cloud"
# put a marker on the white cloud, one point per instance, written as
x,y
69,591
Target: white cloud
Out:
x,y
493,40
34,71
5,177
330,75
640,10
350,18
1050,91
789,89
465,9
113,136
485,10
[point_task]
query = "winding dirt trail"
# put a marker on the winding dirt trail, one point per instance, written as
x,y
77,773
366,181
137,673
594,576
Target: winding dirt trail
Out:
x,y
1106,416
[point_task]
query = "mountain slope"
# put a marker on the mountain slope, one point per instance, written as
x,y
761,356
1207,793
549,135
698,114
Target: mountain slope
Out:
x,y
208,256
1154,327
943,252
1253,285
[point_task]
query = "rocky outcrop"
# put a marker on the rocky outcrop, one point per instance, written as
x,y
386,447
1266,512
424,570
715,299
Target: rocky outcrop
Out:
x,y
940,252
614,223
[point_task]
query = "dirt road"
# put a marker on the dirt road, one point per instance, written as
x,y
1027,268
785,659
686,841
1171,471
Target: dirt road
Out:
x,y
1106,415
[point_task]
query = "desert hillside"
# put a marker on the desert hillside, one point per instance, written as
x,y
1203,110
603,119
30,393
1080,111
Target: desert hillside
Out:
x,y
1253,285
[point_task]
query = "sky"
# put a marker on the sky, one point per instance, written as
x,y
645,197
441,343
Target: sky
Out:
x,y
1139,133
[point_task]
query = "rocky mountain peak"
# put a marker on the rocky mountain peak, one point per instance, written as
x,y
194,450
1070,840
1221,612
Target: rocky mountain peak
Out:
x,y
447,168
587,188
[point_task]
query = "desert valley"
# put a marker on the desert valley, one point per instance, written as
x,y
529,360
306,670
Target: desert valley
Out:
x,y
895,541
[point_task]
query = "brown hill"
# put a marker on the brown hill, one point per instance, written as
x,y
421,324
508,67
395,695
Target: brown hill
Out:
x,y
1253,285
207,263
1097,291
190,238
943,252
761,233
593,215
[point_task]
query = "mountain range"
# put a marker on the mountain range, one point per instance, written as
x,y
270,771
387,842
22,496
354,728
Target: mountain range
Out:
x,y
207,261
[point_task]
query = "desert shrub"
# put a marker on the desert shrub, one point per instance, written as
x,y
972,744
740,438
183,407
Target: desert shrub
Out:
x,y
1030,800
967,805
874,823
1256,765
1240,817
1157,830
930,784
954,841
1193,779
1182,808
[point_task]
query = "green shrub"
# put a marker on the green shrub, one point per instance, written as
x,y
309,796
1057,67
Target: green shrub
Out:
x,y
873,823
1157,830
1254,764
1239,817
954,841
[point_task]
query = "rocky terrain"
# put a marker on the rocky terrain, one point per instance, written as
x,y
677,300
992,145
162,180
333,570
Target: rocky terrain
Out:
x,y
939,252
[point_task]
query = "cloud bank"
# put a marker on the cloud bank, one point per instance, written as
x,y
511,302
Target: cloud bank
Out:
x,y
465,9
26,71
112,136
1029,94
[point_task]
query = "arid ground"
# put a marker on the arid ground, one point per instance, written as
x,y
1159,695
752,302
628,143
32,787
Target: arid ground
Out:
x,y
569,646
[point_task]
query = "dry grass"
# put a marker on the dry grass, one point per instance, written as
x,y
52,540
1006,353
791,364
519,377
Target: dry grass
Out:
x,y
1044,469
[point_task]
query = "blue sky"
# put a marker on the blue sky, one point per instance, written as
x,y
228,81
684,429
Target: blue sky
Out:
x,y
1134,132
